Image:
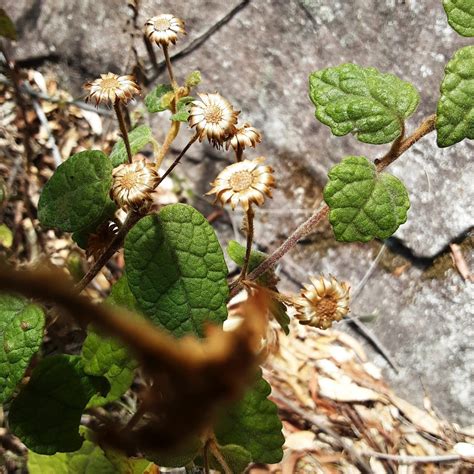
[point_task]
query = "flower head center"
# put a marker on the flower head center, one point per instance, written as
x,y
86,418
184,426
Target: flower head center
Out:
x,y
213,114
241,180
129,180
326,307
110,83
162,24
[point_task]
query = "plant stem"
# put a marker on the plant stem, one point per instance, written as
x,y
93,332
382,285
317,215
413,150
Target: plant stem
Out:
x,y
178,158
170,136
400,147
248,250
131,219
220,459
123,129
238,154
174,84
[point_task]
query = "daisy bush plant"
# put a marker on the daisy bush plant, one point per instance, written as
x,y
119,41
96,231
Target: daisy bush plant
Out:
x,y
199,397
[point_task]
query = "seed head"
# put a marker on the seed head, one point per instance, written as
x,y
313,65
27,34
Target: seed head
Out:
x,y
214,118
245,136
163,29
322,302
110,88
244,183
133,184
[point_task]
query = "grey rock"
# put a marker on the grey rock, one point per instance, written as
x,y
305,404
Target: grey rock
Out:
x,y
260,60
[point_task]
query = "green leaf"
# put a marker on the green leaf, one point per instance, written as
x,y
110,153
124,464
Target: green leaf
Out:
x,y
178,456
89,459
104,356
183,109
460,15
193,79
139,137
277,308
47,412
7,28
126,465
6,236
455,115
362,101
77,193
81,237
364,204
236,457
253,423
121,295
176,270
21,334
158,99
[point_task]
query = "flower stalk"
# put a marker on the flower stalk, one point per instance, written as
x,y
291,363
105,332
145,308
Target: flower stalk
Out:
x,y
123,129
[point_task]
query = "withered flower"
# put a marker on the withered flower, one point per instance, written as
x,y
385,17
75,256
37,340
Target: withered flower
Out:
x,y
133,183
214,118
245,136
322,302
163,29
110,88
244,183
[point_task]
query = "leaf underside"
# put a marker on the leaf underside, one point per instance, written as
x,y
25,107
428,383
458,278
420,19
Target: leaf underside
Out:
x,y
455,114
363,203
362,101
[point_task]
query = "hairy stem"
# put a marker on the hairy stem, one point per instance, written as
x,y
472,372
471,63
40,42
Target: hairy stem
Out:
x,y
427,126
174,84
178,158
123,129
399,147
131,219
218,455
248,249
238,154
170,136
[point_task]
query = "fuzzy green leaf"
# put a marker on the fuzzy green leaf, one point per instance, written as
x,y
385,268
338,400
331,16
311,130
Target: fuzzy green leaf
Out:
x,y
7,28
104,356
460,15
364,204
47,412
277,308
89,459
455,115
362,101
183,109
158,99
21,333
121,295
253,423
178,456
176,270
139,137
78,192
193,79
236,457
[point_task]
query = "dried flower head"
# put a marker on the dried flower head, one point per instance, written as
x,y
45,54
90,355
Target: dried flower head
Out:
x,y
110,88
244,183
99,240
322,302
133,183
163,29
245,136
214,118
